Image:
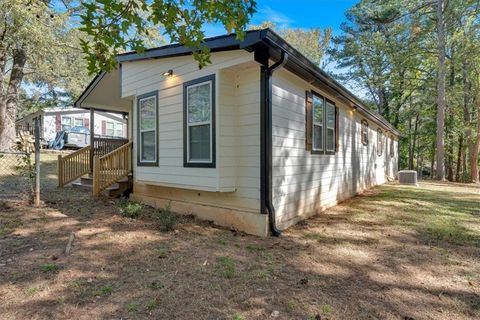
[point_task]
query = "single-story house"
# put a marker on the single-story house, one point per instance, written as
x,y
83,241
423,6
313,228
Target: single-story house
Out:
x,y
56,119
257,140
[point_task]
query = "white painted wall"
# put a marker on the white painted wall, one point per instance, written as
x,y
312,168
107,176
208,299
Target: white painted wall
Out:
x,y
305,183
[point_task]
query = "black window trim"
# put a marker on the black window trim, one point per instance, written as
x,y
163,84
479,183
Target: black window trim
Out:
x,y
141,163
364,122
324,125
186,162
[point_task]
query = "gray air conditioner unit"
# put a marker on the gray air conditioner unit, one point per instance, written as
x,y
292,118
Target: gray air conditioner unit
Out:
x,y
407,177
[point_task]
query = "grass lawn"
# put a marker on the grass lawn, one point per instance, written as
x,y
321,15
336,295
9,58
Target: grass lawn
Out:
x,y
395,252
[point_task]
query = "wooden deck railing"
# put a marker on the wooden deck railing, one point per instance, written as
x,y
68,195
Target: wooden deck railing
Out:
x,y
73,166
102,146
111,167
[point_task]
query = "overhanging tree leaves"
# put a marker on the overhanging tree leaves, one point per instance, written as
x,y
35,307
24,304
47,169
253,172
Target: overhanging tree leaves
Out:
x,y
114,26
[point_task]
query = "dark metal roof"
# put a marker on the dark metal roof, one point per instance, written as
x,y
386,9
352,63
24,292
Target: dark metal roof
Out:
x,y
269,42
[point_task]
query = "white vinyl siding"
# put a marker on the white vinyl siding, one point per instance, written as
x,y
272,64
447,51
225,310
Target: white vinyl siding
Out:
x,y
304,182
237,121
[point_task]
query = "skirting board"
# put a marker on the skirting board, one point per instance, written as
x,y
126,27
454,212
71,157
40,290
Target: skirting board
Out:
x,y
248,222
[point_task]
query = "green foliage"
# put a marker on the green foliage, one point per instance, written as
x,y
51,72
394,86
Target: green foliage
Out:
x,y
49,267
312,43
103,291
389,50
55,69
167,220
114,26
226,266
131,209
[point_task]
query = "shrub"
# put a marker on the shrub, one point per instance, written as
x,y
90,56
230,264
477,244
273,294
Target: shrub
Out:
x,y
167,220
131,209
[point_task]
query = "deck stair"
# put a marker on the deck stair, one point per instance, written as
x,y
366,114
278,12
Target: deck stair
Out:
x,y
111,174
121,188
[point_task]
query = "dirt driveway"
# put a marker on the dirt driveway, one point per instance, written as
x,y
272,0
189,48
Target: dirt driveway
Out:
x,y
393,253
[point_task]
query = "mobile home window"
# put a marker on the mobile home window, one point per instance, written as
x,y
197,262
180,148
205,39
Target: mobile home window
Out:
x,y
119,129
322,119
379,142
66,123
364,133
199,122
110,128
318,107
330,129
78,122
392,147
147,129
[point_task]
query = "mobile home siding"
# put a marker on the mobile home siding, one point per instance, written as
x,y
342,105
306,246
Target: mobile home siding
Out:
x,y
235,181
304,183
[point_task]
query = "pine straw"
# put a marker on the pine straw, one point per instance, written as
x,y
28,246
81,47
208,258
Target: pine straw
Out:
x,y
395,253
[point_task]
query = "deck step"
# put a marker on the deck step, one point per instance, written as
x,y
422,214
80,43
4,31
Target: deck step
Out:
x,y
80,185
88,180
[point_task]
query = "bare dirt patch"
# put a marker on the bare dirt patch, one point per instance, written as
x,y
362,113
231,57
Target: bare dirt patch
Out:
x,y
395,253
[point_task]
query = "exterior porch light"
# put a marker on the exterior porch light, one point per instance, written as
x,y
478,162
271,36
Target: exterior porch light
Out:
x,y
354,108
168,73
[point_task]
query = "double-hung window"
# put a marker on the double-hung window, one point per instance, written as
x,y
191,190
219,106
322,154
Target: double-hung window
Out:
x,y
199,122
119,129
147,148
78,122
330,128
110,128
318,107
323,124
379,142
392,147
66,123
364,133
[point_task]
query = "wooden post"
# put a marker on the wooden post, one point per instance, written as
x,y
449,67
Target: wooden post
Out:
x,y
92,137
37,163
96,175
60,171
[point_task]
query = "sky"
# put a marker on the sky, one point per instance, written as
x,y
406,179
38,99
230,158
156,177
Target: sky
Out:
x,y
302,14
297,14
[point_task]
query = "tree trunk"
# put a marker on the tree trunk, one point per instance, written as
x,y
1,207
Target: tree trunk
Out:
x,y
432,165
459,158
441,100
9,103
410,145
474,155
